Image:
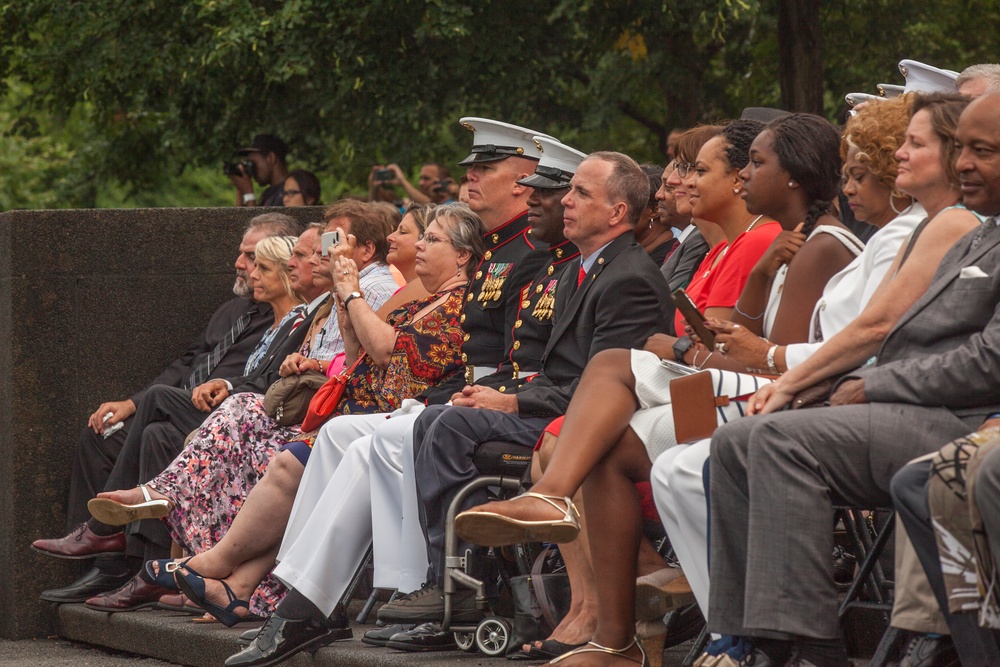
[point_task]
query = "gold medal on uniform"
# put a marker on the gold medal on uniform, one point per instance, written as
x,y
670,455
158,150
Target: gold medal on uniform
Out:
x,y
544,308
496,275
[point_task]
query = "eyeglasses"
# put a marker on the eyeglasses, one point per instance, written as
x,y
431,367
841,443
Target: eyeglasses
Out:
x,y
430,239
292,193
683,168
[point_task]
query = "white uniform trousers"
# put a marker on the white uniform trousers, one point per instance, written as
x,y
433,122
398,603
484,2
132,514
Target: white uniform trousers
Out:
x,y
400,550
322,560
679,493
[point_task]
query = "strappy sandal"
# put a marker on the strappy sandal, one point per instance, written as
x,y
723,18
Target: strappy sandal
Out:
x,y
114,513
491,529
591,647
192,585
164,575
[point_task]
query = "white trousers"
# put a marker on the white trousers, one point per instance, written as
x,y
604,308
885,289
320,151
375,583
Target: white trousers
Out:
x,y
340,501
679,493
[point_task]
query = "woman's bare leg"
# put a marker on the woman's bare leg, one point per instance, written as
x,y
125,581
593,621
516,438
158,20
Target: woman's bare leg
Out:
x,y
578,625
259,525
614,513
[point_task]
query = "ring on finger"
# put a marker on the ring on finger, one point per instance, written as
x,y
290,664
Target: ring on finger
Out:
x,y
721,347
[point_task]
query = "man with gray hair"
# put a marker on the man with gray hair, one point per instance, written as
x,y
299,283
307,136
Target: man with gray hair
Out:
x,y
220,351
618,299
977,80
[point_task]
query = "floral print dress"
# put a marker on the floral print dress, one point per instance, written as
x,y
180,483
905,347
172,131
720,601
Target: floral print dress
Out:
x,y
211,477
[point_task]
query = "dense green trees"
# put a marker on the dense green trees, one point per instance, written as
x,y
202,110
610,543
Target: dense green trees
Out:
x,y
138,101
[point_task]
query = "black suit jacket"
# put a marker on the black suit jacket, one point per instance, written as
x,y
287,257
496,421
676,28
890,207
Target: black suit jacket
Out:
x,y
289,339
235,358
623,301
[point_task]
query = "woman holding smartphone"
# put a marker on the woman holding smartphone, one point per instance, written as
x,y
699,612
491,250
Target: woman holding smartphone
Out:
x,y
793,176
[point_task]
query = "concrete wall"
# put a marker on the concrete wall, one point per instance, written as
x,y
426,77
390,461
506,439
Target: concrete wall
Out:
x,y
93,305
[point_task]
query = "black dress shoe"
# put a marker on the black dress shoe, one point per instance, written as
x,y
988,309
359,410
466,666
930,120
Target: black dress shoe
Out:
x,y
929,651
247,636
381,636
94,582
424,637
281,638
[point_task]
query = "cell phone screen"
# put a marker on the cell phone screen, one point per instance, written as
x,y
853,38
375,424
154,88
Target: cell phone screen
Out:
x,y
694,316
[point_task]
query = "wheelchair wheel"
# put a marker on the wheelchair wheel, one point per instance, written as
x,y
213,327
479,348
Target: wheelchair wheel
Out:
x,y
466,641
493,636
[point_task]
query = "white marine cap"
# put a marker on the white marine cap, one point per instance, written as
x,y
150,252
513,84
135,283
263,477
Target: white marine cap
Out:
x,y
495,140
927,79
557,166
854,99
889,91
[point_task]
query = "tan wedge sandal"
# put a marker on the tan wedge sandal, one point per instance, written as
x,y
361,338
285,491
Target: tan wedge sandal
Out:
x,y
114,513
492,529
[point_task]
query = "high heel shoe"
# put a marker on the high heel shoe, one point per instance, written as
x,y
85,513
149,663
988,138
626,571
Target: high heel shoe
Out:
x,y
591,647
164,575
492,529
192,585
114,513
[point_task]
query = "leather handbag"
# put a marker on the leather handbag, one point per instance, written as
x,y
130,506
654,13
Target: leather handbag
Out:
x,y
287,400
327,398
702,401
541,601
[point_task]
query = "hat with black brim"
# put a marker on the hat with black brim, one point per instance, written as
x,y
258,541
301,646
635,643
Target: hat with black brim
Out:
x,y
556,166
495,140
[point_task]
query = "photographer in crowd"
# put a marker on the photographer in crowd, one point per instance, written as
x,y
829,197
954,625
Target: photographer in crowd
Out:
x,y
433,183
262,161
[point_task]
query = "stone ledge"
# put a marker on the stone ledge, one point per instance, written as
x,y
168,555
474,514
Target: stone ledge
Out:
x,y
172,636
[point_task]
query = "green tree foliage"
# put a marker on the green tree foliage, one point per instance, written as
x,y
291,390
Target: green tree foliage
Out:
x,y
139,101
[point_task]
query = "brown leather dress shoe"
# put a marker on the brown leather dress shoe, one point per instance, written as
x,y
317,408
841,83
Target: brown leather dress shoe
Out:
x,y
82,542
136,594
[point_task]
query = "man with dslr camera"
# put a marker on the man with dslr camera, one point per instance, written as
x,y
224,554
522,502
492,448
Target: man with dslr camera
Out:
x,y
432,183
264,161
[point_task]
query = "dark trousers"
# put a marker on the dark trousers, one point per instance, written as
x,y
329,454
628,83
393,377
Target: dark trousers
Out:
x,y
162,421
975,645
93,461
444,441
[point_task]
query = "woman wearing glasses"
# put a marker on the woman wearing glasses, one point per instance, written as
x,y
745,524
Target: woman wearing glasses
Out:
x,y
419,345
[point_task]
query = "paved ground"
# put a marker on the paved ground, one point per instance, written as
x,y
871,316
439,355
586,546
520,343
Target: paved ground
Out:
x,y
60,652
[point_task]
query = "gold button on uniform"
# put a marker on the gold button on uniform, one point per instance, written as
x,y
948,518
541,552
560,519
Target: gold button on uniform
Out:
x,y
551,270
517,368
559,253
462,318
503,389
517,325
525,303
479,274
465,357
600,260
517,345
496,237
466,337
469,298
488,256
538,290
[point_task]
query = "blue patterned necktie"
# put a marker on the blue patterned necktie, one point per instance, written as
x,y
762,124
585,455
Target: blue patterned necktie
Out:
x,y
984,229
201,372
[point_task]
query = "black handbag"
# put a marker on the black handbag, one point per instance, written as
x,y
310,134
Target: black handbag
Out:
x,y
541,601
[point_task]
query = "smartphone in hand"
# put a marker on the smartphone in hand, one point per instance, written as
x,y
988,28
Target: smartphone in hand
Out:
x,y
694,316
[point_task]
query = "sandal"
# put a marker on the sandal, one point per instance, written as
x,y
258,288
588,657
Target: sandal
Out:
x,y
491,529
165,571
591,647
114,513
192,585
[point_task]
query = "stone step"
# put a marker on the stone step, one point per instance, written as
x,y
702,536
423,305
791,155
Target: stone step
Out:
x,y
172,636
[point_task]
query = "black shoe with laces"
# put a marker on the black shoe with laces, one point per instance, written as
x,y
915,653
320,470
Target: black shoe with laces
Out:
x,y
427,604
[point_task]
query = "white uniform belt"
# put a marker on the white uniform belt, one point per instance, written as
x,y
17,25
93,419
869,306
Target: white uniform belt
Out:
x,y
479,372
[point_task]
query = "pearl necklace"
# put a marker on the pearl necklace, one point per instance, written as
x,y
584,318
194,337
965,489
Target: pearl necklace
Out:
x,y
726,249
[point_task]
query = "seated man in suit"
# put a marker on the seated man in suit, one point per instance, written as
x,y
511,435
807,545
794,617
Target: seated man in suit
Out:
x,y
619,299
979,168
220,351
774,478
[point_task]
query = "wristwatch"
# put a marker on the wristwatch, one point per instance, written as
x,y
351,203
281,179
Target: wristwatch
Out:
x,y
249,197
351,297
682,345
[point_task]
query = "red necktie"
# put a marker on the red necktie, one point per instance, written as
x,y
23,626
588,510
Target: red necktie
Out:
x,y
580,277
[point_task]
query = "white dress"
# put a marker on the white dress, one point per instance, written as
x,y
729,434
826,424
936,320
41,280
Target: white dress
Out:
x,y
653,423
